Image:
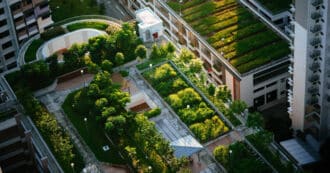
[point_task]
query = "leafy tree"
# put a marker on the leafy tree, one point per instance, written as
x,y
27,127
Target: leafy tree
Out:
x,y
238,106
255,119
119,58
170,48
221,153
211,90
127,40
186,55
155,52
196,65
141,51
112,29
164,72
107,65
223,93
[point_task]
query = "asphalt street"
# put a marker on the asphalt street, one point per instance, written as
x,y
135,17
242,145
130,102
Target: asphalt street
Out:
x,y
114,9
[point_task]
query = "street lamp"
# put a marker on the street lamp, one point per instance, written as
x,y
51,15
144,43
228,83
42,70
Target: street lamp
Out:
x,y
82,75
149,168
150,65
230,151
180,6
188,106
72,166
85,120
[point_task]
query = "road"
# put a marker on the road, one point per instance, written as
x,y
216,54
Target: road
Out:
x,y
115,10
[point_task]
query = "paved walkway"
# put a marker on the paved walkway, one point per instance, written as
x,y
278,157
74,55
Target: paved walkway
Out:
x,y
172,128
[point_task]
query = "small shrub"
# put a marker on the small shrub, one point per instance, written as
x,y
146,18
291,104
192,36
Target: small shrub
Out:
x,y
51,33
153,112
124,73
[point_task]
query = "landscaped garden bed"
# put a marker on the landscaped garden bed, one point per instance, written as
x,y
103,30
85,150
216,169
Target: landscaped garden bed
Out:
x,y
186,102
81,25
238,157
31,52
234,32
261,141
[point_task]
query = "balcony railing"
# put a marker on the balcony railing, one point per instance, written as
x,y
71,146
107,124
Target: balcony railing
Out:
x,y
316,15
313,90
314,66
316,28
315,54
317,2
315,41
314,78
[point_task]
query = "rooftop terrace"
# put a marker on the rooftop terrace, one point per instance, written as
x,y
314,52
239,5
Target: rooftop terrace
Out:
x,y
233,31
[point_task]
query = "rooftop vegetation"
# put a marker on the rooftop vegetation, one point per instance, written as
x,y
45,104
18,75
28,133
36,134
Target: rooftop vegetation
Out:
x,y
276,6
186,102
233,31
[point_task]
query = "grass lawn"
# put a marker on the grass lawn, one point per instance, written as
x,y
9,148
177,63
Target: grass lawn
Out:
x,y
62,9
31,52
276,6
80,25
93,134
147,63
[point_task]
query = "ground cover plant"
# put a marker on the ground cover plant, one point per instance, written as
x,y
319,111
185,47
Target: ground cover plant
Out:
x,y
233,31
237,157
186,102
80,25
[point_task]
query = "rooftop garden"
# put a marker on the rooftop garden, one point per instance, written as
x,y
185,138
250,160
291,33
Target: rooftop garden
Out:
x,y
233,31
186,102
239,156
276,6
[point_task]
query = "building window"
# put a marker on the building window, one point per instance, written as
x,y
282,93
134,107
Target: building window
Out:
x,y
258,89
259,101
4,34
12,65
6,45
3,22
271,84
271,96
9,55
2,11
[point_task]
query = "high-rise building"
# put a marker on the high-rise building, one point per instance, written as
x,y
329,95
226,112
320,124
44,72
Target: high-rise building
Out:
x,y
19,20
309,95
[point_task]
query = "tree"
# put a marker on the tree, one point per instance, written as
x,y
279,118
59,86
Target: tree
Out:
x,y
223,93
141,51
155,52
186,55
170,48
112,29
255,119
211,90
221,153
119,58
106,65
238,106
196,65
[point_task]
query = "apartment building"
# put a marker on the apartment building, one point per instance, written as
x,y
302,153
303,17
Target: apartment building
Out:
x,y
20,20
260,86
309,95
17,152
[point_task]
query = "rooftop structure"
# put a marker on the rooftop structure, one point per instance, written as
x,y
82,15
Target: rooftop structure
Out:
x,y
150,25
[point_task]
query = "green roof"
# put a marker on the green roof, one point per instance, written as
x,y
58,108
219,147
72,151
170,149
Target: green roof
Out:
x,y
244,41
276,6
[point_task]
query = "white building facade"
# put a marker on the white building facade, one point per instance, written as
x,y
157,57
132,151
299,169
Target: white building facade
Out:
x,y
310,96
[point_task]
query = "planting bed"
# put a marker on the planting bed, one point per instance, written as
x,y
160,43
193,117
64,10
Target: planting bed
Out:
x,y
232,30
